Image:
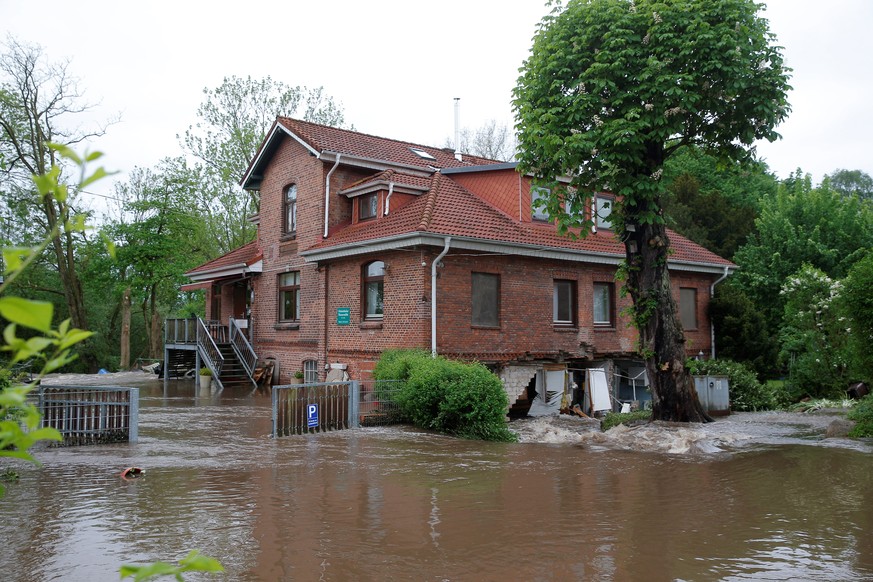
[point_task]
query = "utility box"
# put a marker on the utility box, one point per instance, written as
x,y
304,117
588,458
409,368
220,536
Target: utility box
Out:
x,y
714,394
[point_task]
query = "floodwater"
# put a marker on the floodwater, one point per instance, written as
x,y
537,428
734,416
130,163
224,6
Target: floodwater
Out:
x,y
740,499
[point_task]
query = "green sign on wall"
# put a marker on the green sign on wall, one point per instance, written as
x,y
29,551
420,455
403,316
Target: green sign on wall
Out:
x,y
343,315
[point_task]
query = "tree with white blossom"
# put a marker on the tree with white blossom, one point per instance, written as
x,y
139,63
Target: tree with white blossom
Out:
x,y
611,89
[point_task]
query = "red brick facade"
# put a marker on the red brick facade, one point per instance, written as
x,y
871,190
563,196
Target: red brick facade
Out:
x,y
485,217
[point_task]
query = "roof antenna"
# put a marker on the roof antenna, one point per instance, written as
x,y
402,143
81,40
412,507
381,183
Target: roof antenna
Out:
x,y
458,128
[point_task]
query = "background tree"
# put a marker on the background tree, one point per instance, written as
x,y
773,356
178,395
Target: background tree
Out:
x,y
857,308
814,342
611,90
233,120
712,203
36,102
157,221
801,225
741,330
851,183
490,140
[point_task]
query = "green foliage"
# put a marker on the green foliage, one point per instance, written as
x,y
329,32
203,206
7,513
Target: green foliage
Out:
x,y
746,392
461,399
612,88
856,302
712,203
812,336
19,420
193,562
233,120
862,414
801,225
205,372
741,332
851,183
613,419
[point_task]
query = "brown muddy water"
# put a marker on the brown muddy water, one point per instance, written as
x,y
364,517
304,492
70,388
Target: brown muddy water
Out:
x,y
750,497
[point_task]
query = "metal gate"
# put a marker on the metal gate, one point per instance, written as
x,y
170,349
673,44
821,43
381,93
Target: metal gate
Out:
x,y
321,407
91,414
312,408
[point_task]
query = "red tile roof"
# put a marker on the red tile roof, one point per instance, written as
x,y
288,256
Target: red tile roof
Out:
x,y
448,209
347,142
245,255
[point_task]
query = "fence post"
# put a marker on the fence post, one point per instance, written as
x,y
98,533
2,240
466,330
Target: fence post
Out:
x,y
274,394
133,416
355,404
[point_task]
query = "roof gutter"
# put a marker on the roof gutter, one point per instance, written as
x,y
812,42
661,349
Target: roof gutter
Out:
x,y
433,297
327,194
711,324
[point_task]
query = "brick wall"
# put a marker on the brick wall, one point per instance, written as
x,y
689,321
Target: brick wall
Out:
x,y
526,331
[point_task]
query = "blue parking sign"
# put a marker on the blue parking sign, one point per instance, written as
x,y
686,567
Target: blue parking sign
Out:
x,y
311,415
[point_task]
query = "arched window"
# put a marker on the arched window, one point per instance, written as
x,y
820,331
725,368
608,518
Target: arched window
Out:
x,y
372,289
289,209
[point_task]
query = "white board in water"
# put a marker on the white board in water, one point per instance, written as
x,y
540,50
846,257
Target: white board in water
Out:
x,y
599,389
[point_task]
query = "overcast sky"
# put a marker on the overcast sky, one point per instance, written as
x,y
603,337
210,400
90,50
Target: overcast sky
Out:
x,y
396,66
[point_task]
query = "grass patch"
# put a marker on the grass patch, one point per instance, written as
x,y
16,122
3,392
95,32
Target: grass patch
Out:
x,y
613,419
862,414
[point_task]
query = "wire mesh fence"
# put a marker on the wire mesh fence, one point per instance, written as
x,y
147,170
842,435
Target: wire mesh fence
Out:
x,y
378,403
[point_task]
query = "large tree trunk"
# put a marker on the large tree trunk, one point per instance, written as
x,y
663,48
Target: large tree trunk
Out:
x,y
124,363
662,340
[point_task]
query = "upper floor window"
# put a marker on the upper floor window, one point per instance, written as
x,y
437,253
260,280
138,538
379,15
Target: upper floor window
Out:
x,y
688,307
289,209
373,289
564,302
604,305
485,300
538,199
368,206
289,296
603,212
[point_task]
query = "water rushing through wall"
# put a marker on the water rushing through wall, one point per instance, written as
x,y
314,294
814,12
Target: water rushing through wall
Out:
x,y
739,500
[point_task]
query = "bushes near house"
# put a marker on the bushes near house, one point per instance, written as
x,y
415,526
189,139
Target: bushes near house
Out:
x,y
862,414
746,392
457,398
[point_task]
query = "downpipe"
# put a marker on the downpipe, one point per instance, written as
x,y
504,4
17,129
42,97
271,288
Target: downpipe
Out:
x,y
433,297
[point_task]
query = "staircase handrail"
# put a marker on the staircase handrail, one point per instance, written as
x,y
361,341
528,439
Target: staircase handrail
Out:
x,y
244,350
208,348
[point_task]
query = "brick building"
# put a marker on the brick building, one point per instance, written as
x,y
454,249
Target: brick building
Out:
x,y
366,243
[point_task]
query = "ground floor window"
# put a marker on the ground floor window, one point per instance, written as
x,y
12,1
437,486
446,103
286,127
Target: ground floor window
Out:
x,y
604,300
688,307
564,302
486,299
310,371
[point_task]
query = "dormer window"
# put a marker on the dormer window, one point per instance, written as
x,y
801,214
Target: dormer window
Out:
x,y
289,210
368,206
603,212
538,199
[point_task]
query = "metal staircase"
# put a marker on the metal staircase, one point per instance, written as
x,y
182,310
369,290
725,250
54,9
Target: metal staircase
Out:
x,y
226,351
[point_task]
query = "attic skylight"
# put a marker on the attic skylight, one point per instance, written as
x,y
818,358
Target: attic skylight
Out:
x,y
422,154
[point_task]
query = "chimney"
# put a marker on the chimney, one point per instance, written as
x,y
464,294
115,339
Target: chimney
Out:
x,y
458,128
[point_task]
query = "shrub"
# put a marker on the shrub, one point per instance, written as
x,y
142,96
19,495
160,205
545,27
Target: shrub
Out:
x,y
456,398
613,419
746,392
862,414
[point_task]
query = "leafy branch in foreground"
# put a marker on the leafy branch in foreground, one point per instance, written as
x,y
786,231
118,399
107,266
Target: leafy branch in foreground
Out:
x,y
193,562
